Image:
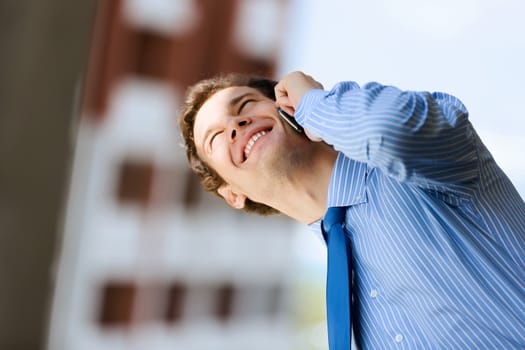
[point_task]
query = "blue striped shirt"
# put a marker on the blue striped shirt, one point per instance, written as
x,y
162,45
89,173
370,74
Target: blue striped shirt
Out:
x,y
438,230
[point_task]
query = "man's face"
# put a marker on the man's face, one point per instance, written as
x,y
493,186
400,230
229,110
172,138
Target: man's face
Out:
x,y
238,133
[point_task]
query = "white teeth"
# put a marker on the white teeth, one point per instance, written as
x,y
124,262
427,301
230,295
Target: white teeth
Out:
x,y
252,141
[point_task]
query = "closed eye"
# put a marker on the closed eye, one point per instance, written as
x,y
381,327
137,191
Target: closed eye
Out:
x,y
244,104
214,137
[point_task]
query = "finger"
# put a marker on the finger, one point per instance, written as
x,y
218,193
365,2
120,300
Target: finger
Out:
x,y
280,89
285,104
288,109
281,97
312,137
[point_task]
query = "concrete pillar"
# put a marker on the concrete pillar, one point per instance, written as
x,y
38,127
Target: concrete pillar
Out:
x,y
43,50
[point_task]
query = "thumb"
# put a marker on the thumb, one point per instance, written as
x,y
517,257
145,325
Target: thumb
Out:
x,y
312,137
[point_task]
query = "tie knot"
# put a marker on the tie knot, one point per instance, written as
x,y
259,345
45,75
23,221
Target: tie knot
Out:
x,y
334,215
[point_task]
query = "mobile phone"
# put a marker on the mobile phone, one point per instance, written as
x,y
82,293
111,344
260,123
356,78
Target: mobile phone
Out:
x,y
290,120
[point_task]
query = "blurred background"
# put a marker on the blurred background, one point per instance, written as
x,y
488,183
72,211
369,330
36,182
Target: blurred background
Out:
x,y
107,241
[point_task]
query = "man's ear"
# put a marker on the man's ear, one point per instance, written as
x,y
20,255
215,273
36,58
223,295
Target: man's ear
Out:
x,y
234,199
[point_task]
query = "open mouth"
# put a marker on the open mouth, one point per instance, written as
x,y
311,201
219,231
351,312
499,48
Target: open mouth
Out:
x,y
255,137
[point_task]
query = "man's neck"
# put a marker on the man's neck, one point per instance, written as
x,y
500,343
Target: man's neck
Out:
x,y
306,191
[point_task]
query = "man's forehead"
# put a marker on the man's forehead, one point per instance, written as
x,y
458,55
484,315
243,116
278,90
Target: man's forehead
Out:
x,y
223,98
221,102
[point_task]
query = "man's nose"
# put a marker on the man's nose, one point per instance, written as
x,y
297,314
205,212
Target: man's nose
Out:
x,y
237,125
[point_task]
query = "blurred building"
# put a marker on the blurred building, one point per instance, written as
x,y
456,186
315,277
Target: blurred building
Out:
x,y
147,260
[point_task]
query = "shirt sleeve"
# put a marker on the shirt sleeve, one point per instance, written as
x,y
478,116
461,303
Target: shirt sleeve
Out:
x,y
417,137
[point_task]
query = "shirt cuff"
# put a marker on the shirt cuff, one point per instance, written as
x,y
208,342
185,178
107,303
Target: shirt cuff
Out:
x,y
307,102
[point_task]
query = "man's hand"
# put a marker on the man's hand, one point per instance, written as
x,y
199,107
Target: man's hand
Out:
x,y
290,90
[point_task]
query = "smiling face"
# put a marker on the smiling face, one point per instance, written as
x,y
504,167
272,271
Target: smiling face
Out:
x,y
238,133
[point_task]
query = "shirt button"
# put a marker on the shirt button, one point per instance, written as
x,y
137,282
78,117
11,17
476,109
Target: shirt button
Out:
x,y
399,338
373,293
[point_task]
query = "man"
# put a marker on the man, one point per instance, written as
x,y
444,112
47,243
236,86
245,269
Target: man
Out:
x,y
435,231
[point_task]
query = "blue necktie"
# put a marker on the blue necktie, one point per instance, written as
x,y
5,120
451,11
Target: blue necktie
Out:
x,y
338,281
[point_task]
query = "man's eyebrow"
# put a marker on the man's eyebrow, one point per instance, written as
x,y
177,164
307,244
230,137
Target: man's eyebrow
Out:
x,y
234,101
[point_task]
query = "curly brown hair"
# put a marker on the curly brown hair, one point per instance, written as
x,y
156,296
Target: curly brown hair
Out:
x,y
196,95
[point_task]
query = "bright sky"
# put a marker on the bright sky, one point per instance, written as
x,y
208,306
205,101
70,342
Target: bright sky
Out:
x,y
473,49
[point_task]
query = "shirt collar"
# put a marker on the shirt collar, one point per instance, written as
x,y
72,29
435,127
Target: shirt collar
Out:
x,y
347,187
347,183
